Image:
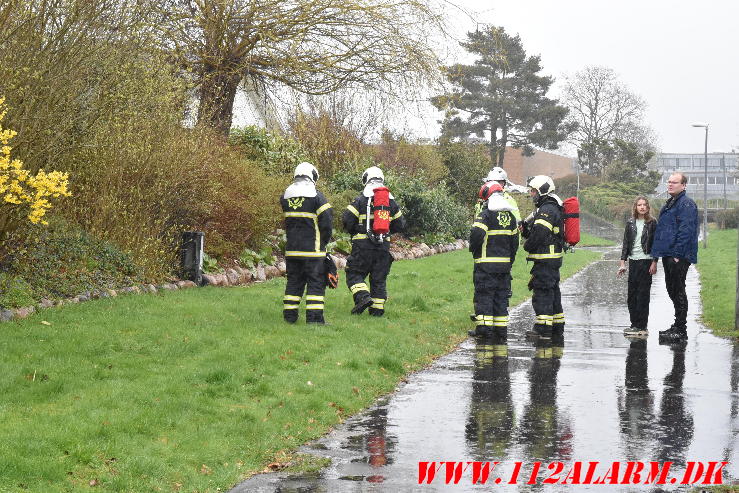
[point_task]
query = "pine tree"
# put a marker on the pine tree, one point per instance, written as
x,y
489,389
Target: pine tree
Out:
x,y
502,96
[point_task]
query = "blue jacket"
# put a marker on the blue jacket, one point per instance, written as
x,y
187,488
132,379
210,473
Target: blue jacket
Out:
x,y
677,230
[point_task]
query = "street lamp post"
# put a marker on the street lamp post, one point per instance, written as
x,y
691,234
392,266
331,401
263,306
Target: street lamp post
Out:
x,y
705,185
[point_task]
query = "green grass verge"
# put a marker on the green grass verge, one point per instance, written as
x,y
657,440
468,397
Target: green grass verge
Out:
x,y
197,389
593,241
717,268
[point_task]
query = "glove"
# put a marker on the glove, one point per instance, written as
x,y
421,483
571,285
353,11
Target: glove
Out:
x,y
332,275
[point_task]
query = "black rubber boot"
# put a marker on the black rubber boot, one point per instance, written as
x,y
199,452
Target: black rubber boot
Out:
x,y
362,301
540,331
290,316
481,331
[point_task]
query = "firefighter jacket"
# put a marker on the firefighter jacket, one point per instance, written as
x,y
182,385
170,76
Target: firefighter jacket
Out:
x,y
494,241
544,234
355,223
308,226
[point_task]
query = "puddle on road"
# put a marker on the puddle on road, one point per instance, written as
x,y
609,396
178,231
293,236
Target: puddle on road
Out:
x,y
601,397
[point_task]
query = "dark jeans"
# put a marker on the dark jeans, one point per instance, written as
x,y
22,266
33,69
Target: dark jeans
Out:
x,y
675,273
640,283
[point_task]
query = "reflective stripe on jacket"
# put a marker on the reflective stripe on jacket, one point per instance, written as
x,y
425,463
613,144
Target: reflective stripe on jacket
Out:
x,y
494,240
544,242
308,225
354,220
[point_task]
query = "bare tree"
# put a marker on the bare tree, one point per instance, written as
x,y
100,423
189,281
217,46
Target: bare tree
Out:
x,y
312,46
603,110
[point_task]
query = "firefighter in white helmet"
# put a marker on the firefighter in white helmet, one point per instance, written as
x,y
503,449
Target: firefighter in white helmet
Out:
x,y
493,243
545,246
370,251
308,227
498,175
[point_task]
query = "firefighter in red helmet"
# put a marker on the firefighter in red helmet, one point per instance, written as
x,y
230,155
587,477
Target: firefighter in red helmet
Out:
x,y
493,243
371,248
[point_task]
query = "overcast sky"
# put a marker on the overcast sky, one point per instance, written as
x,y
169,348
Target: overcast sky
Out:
x,y
681,57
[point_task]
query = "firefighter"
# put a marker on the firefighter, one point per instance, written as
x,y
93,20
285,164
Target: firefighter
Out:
x,y
493,243
498,174
370,251
308,226
544,245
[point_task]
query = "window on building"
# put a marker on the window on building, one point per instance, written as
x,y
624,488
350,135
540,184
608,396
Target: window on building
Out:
x,y
683,163
711,180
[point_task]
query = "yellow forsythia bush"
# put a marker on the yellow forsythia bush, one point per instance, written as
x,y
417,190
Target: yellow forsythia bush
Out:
x,y
18,187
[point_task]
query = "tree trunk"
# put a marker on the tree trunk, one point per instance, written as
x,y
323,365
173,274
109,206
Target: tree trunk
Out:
x,y
503,143
217,94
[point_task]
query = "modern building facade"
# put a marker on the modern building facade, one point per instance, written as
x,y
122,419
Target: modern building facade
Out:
x,y
723,175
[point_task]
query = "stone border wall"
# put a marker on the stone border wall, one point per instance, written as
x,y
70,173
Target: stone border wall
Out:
x,y
236,276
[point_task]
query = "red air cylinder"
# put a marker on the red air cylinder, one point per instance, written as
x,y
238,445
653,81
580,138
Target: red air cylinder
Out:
x,y
381,206
571,220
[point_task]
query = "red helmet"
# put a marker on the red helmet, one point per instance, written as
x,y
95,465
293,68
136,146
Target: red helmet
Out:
x,y
488,189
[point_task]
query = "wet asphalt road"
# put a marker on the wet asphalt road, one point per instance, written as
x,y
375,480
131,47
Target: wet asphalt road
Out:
x,y
602,397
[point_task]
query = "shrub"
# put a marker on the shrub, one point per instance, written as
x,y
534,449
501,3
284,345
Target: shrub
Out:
x,y
276,154
331,146
727,219
62,260
404,157
429,209
23,193
15,292
244,207
567,185
611,201
467,164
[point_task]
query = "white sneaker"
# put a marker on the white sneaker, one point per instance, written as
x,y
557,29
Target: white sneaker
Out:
x,y
635,331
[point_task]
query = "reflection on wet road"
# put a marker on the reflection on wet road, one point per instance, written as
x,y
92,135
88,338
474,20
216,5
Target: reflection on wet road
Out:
x,y
601,397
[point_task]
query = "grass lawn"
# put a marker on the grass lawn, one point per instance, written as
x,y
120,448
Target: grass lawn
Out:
x,y
590,240
717,268
194,390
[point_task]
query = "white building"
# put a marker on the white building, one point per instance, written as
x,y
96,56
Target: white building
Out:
x,y
723,174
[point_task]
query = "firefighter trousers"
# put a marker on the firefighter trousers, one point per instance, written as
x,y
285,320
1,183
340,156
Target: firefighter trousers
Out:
x,y
491,301
546,299
304,273
372,262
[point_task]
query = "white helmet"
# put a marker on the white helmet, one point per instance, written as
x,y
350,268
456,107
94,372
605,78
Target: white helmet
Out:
x,y
308,170
372,173
542,184
497,174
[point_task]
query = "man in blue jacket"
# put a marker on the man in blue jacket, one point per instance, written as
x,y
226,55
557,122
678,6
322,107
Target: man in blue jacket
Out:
x,y
676,241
